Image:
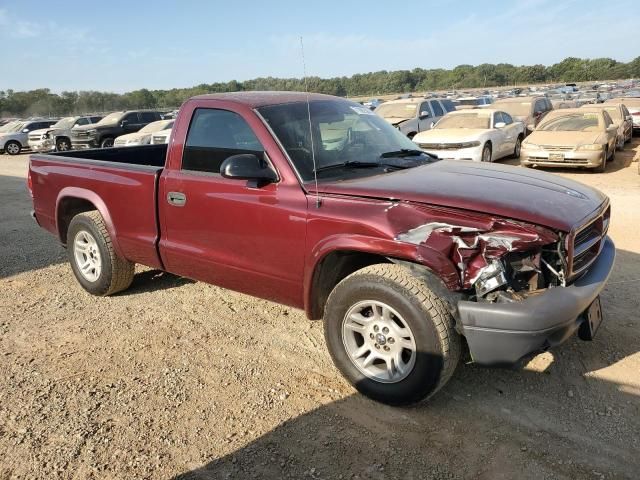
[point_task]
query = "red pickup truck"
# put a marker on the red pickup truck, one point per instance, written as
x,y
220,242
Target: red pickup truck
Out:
x,y
318,203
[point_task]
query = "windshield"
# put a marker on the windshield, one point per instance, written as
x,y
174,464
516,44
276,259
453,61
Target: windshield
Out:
x,y
16,127
614,113
397,110
576,122
465,120
157,126
516,109
9,126
342,132
111,118
65,123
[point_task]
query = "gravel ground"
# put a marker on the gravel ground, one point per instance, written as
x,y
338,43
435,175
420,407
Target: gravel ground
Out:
x,y
175,378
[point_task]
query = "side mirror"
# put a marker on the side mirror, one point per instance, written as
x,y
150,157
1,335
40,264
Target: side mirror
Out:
x,y
124,123
424,115
247,166
500,125
531,127
26,130
433,124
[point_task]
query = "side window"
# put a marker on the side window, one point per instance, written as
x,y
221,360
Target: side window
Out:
x,y
607,119
506,118
437,109
82,121
448,105
95,119
625,111
537,107
424,107
132,118
148,117
497,118
214,135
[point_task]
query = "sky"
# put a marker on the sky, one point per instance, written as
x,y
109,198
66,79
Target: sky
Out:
x,y
120,45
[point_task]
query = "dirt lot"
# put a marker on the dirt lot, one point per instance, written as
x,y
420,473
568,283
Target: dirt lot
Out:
x,y
177,378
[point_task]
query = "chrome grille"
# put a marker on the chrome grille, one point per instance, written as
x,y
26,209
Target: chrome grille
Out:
x,y
557,148
587,243
441,146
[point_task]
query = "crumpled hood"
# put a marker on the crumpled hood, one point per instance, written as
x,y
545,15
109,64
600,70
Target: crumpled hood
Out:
x,y
512,192
447,135
94,126
41,131
396,120
540,137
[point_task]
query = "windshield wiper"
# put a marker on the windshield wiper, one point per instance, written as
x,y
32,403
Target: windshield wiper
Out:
x,y
403,152
358,164
351,164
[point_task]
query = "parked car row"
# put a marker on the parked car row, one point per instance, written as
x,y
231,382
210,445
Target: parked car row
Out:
x,y
124,128
14,136
523,127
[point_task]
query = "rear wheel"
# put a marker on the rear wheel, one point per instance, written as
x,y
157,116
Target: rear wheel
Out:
x,y
106,142
12,147
390,336
94,262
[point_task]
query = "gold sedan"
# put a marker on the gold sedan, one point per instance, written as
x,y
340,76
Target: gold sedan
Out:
x,y
572,137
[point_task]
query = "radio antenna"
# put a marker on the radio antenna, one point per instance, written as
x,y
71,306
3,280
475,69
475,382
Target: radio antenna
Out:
x,y
313,149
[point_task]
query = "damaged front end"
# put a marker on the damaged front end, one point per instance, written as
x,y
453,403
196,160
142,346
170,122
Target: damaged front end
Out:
x,y
497,259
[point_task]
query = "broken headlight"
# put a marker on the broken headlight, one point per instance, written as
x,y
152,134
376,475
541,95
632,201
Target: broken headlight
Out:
x,y
493,276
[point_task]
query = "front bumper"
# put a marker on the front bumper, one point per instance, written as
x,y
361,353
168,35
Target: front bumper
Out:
x,y
474,154
504,333
45,145
83,144
566,158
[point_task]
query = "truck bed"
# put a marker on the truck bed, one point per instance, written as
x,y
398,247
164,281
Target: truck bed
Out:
x,y
121,183
145,155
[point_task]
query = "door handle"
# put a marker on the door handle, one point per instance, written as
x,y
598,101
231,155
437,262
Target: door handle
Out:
x,y
176,198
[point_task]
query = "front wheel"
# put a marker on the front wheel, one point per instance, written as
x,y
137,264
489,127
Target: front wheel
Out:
x,y
486,152
63,145
390,336
94,261
518,147
12,147
603,166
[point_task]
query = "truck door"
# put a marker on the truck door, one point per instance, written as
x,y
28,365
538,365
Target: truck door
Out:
x,y
227,231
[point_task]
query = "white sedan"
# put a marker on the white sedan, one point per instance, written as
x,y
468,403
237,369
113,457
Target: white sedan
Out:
x,y
143,136
478,135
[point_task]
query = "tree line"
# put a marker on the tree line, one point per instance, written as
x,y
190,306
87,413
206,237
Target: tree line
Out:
x,y
44,102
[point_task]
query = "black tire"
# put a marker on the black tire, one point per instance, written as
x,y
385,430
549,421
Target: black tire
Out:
x,y
106,142
438,345
603,166
486,153
12,147
63,144
116,272
516,150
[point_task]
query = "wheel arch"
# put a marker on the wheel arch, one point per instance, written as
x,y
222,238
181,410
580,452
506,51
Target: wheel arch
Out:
x,y
73,200
336,264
